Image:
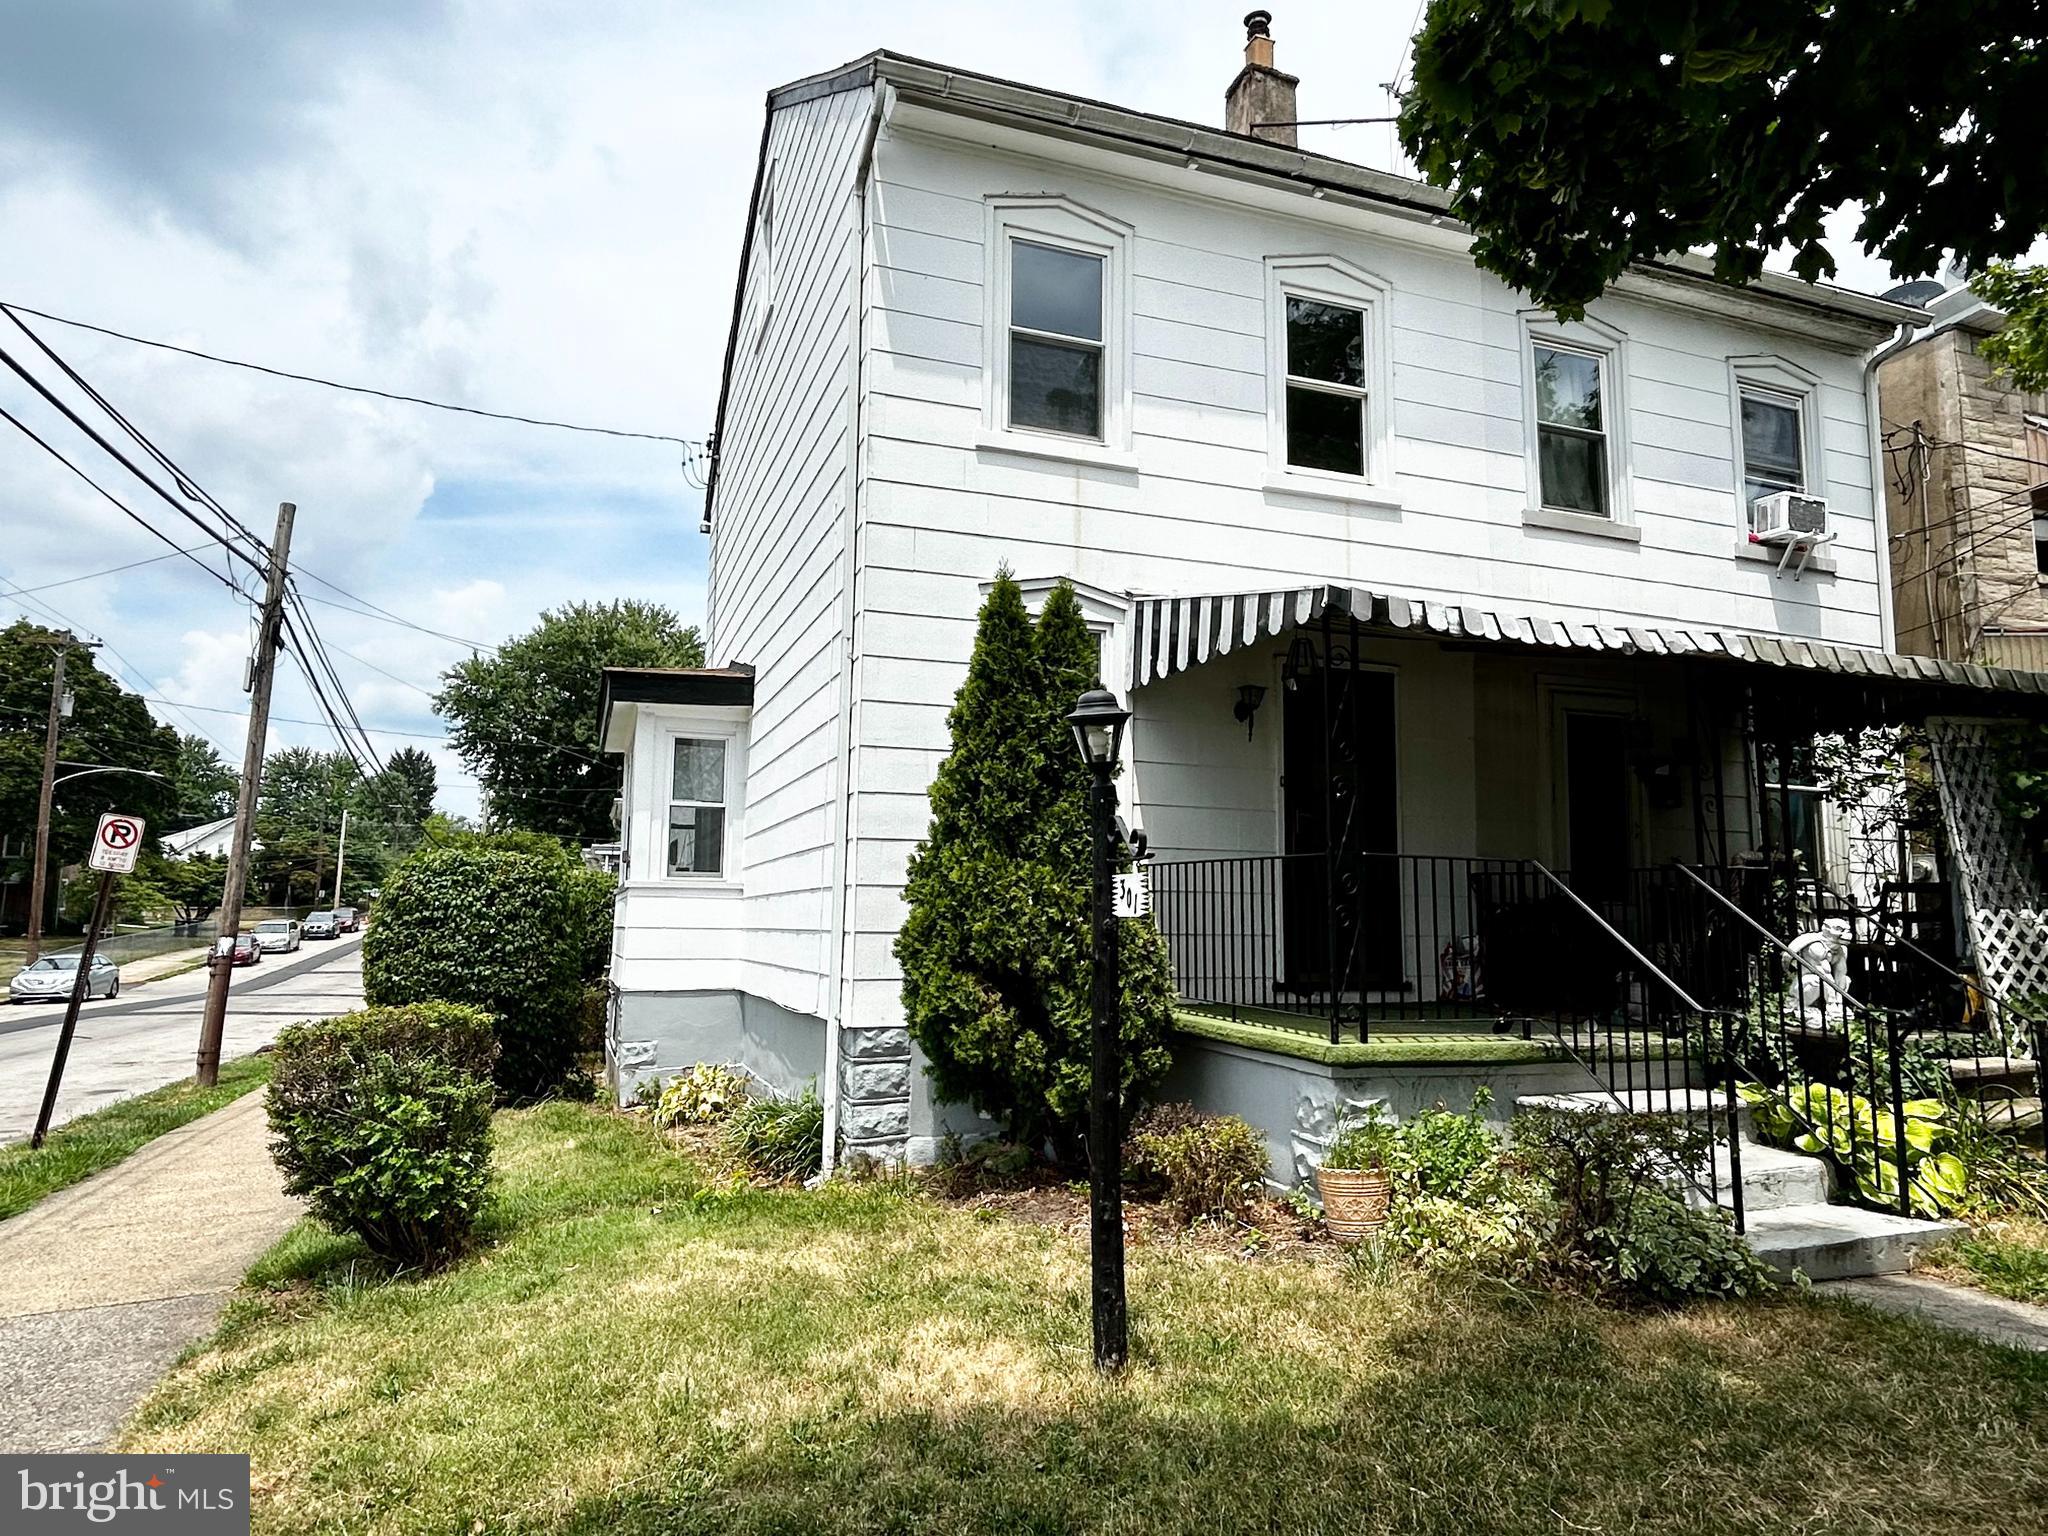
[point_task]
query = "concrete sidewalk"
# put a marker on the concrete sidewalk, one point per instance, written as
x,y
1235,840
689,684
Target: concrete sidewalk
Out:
x,y
104,1284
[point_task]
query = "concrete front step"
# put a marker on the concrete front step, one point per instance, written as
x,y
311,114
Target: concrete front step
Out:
x,y
1773,1178
1841,1242
1696,1103
1786,1215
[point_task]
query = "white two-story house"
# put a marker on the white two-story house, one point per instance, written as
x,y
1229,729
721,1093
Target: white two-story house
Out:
x,y
1398,574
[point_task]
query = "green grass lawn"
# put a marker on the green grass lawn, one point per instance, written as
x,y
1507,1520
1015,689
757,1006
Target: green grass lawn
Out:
x,y
2007,1258
637,1350
82,1147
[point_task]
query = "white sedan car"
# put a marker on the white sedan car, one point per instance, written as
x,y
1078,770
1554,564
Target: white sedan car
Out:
x,y
51,978
278,934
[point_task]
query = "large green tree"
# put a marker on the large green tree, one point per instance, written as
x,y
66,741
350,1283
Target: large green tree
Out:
x,y
525,719
1578,136
205,783
995,945
107,726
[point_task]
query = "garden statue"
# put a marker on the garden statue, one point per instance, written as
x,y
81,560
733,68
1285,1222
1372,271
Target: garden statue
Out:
x,y
1823,957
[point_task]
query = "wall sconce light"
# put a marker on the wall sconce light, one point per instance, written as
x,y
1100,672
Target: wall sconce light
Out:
x,y
1301,660
1249,697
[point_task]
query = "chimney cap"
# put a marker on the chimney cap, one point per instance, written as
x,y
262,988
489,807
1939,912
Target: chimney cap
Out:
x,y
1258,24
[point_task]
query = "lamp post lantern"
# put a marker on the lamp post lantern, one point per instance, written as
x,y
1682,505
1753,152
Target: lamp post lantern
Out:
x,y
1098,723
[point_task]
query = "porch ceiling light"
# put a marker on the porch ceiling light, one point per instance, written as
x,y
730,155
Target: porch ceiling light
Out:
x,y
1098,723
1301,660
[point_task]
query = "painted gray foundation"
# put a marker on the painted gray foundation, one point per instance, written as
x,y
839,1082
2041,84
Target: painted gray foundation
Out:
x,y
654,1035
1296,1104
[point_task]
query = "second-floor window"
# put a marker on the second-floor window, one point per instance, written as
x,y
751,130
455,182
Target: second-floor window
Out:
x,y
1056,361
1325,386
1773,455
1571,430
696,807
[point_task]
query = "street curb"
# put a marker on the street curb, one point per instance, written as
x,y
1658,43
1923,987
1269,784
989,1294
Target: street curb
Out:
x,y
286,969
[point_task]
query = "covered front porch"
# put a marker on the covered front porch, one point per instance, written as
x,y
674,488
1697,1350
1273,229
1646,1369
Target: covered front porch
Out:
x,y
1362,826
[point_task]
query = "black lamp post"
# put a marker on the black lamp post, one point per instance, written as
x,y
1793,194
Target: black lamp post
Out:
x,y
1098,724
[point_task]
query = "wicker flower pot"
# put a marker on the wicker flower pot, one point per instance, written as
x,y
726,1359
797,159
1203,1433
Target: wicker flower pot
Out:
x,y
1355,1200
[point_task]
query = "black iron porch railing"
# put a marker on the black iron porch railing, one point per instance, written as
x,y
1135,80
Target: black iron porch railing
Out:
x,y
1414,942
1386,938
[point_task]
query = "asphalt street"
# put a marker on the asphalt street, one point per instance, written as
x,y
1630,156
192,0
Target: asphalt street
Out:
x,y
149,1035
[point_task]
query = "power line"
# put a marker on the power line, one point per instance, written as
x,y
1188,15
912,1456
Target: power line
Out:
x,y
119,505
190,487
356,389
383,615
112,570
92,432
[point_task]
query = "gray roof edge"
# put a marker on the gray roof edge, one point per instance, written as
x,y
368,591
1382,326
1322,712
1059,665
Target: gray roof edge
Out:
x,y
942,85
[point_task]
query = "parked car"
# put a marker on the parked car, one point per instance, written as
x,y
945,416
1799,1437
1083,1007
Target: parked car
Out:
x,y
248,950
320,925
278,933
350,919
52,977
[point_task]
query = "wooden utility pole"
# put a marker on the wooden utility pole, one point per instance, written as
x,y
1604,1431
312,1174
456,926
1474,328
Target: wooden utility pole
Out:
x,y
340,858
39,871
262,671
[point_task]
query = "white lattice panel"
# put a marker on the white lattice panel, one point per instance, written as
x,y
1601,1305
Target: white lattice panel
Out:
x,y
2000,899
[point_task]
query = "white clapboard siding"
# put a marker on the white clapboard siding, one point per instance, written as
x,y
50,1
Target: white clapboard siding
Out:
x,y
1192,512
775,576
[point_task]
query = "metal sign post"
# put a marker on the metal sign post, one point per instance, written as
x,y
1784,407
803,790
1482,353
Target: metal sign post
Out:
x,y
114,849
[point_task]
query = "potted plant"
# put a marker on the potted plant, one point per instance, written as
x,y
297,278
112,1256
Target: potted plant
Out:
x,y
1353,1181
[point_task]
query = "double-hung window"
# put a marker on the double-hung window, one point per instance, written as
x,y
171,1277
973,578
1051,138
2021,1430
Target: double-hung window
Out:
x,y
1326,390
1571,430
1773,447
696,807
1056,339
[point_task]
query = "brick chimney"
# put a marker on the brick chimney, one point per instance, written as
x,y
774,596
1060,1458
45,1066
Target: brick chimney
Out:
x,y
1260,93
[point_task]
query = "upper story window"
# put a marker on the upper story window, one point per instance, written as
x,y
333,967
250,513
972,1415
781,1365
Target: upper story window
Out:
x,y
1575,423
1331,376
1058,380
1055,339
1777,428
696,808
1571,431
1773,454
1325,386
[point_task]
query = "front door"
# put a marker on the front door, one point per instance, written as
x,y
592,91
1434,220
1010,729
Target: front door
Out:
x,y
1598,805
1342,890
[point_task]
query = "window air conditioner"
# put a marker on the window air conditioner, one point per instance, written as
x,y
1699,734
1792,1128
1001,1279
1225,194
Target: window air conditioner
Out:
x,y
1788,515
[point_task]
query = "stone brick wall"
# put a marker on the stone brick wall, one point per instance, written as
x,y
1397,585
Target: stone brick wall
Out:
x,y
1962,538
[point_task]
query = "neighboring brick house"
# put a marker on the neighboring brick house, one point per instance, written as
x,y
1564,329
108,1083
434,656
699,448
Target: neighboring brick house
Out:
x,y
1966,488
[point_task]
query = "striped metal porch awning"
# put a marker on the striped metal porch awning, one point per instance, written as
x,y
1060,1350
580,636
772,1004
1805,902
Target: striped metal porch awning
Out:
x,y
1172,634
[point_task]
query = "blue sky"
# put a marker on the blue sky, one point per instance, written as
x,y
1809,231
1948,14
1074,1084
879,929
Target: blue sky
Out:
x,y
527,205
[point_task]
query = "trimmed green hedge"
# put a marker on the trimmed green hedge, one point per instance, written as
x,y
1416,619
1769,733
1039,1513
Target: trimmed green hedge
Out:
x,y
495,929
381,1120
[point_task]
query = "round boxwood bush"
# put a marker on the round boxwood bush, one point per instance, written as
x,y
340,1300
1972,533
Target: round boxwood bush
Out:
x,y
493,928
381,1121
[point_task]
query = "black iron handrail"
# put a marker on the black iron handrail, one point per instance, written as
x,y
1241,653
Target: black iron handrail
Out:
x,y
1693,1010
1872,1019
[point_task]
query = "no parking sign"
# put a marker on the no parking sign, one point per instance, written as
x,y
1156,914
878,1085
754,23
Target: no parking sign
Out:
x,y
116,845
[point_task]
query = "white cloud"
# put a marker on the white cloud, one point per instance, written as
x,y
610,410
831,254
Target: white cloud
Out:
x,y
533,208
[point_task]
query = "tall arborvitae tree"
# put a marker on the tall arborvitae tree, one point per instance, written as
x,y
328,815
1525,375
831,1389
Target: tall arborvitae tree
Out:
x,y
995,949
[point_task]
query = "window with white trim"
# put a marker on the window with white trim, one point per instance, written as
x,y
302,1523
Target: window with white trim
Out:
x,y
697,806
1575,420
1571,431
1777,430
1331,379
1058,323
1773,447
1325,386
1055,339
